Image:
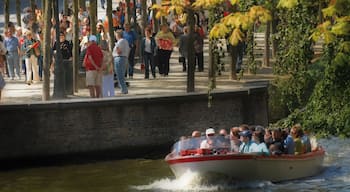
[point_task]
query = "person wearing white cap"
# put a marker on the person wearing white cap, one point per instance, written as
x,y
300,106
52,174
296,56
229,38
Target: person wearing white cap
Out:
x,y
209,142
92,61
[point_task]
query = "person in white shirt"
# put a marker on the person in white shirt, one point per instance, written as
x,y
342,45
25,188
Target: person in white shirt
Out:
x,y
120,54
209,142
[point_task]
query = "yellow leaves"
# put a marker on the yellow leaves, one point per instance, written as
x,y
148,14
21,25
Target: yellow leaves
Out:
x,y
236,36
207,3
323,31
328,30
345,47
234,24
219,30
341,28
259,13
233,2
329,11
289,4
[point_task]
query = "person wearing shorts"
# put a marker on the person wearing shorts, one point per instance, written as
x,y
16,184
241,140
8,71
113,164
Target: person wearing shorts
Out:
x,y
92,61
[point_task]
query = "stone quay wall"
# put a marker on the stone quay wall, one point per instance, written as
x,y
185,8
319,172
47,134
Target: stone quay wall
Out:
x,y
125,126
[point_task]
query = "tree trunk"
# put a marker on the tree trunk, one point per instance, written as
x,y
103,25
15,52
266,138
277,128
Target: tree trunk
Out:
x,y
65,6
267,45
144,16
32,7
211,73
82,4
18,13
154,20
110,25
93,16
274,31
75,46
191,53
7,13
128,12
47,50
233,53
59,86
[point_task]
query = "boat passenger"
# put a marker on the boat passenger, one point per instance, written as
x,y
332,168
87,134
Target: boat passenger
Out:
x,y
209,142
234,139
195,140
268,137
288,142
247,145
243,127
223,139
306,142
258,138
277,141
296,134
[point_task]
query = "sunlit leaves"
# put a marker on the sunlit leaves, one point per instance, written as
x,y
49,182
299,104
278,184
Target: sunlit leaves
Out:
x,y
219,30
289,4
168,6
208,3
236,36
345,47
323,31
342,27
234,24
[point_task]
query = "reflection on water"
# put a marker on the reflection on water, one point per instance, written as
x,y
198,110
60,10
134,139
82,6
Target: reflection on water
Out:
x,y
154,175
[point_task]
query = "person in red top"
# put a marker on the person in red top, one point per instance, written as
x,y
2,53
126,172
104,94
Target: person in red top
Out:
x,y
92,61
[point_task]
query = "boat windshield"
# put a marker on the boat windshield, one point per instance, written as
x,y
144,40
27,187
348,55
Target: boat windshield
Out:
x,y
216,142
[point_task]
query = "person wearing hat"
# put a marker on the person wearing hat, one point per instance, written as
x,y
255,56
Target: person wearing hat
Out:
x,y
209,142
93,61
247,146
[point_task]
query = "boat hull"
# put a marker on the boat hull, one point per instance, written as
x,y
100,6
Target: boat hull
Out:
x,y
249,167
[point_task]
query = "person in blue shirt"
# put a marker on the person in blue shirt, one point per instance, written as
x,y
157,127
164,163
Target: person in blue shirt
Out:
x,y
261,148
12,45
131,37
247,146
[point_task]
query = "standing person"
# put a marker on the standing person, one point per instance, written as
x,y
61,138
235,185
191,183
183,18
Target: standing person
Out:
x,y
12,45
21,39
108,72
148,46
92,61
2,63
120,53
198,48
183,48
3,52
103,4
66,50
131,37
165,41
30,58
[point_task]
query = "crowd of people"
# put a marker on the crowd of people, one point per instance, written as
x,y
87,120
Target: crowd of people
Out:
x,y
23,45
250,140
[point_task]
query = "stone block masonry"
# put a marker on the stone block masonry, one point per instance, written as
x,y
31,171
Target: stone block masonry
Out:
x,y
108,125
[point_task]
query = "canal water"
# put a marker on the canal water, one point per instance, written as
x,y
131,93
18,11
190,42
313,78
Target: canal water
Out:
x,y
154,175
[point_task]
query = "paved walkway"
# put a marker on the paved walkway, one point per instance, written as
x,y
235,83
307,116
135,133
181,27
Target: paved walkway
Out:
x,y
16,91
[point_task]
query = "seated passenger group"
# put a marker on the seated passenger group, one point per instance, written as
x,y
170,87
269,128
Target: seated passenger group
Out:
x,y
255,139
